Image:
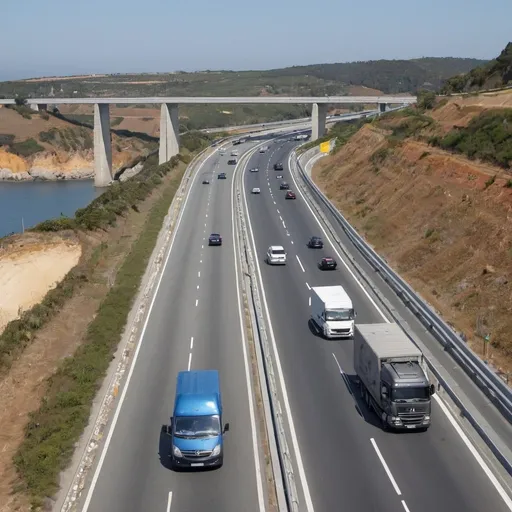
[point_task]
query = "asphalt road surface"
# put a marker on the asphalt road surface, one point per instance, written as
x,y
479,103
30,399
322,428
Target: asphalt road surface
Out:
x,y
194,324
347,461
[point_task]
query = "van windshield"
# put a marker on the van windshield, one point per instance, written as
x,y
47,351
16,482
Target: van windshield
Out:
x,y
193,427
338,315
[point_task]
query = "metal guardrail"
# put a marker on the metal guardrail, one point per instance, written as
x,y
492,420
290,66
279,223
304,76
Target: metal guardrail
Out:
x,y
284,453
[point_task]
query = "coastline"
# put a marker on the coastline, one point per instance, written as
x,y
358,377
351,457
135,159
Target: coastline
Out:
x,y
41,174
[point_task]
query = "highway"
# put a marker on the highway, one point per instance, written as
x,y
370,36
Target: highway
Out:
x,y
194,323
343,459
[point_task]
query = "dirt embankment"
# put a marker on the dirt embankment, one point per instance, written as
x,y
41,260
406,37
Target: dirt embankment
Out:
x,y
439,221
48,148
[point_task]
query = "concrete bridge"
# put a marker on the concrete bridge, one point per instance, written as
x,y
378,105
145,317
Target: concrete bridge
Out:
x,y
169,118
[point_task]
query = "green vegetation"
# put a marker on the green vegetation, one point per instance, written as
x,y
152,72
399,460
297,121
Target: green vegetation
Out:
x,y
487,137
26,148
426,100
68,139
379,156
508,184
494,74
409,122
341,132
490,181
6,139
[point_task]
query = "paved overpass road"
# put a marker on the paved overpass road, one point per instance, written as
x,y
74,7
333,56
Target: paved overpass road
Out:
x,y
195,324
349,462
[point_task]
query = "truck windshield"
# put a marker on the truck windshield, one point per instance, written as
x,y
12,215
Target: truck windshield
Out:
x,y
338,315
193,427
404,394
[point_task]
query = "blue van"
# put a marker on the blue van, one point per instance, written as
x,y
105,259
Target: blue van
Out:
x,y
196,424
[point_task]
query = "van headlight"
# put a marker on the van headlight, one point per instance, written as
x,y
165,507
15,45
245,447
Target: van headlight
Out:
x,y
216,451
176,451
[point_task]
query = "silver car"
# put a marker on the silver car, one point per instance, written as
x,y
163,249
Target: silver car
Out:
x,y
276,255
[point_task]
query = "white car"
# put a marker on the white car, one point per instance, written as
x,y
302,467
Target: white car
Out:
x,y
256,190
276,255
254,169
279,176
263,149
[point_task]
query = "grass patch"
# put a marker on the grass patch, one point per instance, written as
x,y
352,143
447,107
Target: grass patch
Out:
x,y
508,184
26,148
490,181
379,156
487,137
6,139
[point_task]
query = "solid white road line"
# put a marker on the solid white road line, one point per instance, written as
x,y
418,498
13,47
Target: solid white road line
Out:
x,y
169,502
255,444
499,488
139,345
501,491
295,443
189,360
300,263
309,301
334,246
386,468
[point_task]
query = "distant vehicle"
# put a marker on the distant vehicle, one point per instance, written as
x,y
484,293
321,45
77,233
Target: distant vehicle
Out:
x,y
256,190
315,242
332,311
327,264
290,195
214,239
234,152
221,176
196,424
254,169
279,176
236,142
301,137
242,141
393,376
206,182
276,255
284,186
232,161
278,167
263,149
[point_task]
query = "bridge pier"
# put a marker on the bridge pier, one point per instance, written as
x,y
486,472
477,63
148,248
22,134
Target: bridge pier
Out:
x,y
102,145
169,132
318,116
38,106
382,107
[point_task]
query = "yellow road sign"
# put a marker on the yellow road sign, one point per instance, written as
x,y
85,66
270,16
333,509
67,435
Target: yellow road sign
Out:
x,y
325,147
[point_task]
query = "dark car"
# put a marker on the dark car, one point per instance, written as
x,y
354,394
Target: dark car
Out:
x,y
232,161
315,242
290,195
284,186
327,264
278,167
221,176
214,239
206,182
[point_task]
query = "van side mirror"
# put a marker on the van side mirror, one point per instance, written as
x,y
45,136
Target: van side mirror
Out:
x,y
226,428
432,389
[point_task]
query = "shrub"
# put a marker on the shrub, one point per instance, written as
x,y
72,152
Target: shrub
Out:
x,y
6,139
379,156
26,148
490,181
508,184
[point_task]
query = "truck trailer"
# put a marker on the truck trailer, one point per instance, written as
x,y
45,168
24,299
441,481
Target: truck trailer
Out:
x,y
393,376
332,311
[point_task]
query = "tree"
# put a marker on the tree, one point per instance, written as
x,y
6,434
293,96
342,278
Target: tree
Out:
x,y
426,99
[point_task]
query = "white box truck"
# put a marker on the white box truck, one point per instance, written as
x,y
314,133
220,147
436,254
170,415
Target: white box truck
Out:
x,y
332,311
393,376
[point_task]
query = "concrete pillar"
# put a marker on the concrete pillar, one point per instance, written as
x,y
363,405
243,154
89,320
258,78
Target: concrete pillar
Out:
x,y
318,117
102,146
382,107
169,132
34,106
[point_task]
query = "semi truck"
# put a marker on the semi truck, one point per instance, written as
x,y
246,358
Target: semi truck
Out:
x,y
196,425
393,376
332,311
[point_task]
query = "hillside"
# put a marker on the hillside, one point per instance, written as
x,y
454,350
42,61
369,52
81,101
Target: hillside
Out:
x,y
494,74
440,183
356,78
42,146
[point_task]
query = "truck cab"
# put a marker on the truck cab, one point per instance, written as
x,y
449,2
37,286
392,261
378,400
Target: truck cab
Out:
x,y
332,311
196,425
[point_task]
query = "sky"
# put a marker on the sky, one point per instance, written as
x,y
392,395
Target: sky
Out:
x,y
61,37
